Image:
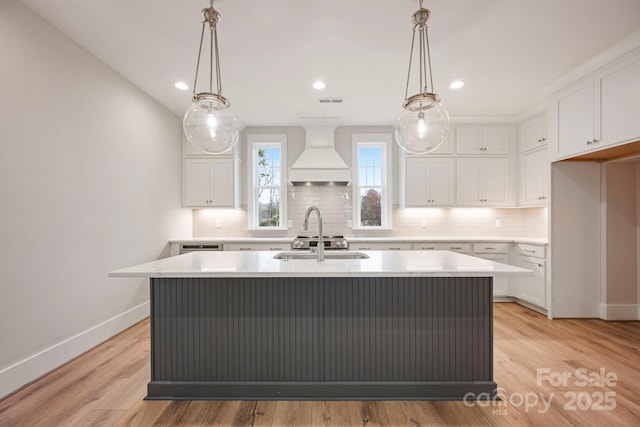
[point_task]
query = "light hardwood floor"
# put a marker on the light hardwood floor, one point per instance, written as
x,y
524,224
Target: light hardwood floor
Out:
x,y
105,386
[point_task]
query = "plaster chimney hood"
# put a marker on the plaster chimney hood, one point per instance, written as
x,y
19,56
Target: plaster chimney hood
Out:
x,y
319,163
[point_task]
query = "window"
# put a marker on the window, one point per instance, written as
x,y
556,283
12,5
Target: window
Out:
x,y
267,179
371,199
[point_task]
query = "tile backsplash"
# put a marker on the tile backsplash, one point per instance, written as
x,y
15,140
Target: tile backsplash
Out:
x,y
335,204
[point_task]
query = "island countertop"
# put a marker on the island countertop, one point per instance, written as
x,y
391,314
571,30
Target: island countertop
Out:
x,y
379,263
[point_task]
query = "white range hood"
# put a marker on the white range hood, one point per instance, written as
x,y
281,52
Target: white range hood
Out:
x,y
319,163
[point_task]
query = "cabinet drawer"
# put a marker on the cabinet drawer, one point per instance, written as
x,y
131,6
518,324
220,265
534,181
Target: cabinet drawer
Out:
x,y
443,246
257,247
531,250
490,248
364,246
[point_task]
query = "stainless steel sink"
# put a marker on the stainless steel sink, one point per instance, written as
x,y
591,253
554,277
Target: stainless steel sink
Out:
x,y
327,255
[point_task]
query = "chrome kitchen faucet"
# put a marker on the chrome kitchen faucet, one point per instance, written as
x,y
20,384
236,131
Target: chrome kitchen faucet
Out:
x,y
306,227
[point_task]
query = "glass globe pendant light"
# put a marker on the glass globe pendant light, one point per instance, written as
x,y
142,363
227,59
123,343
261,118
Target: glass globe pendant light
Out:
x,y
424,124
208,124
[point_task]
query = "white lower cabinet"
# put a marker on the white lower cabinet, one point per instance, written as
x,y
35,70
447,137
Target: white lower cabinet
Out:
x,y
379,246
532,289
498,252
500,284
257,246
463,248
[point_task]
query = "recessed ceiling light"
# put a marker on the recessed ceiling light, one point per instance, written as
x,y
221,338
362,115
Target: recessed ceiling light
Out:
x,y
457,84
181,86
319,85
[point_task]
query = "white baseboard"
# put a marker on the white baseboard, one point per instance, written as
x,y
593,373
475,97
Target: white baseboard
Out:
x,y
23,372
620,311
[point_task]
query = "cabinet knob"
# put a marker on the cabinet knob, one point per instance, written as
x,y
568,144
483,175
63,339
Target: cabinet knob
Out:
x,y
595,141
589,142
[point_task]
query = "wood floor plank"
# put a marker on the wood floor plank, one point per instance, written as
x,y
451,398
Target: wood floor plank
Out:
x,y
330,413
293,413
106,386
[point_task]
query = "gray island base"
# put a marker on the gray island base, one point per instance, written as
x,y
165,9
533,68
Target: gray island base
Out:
x,y
384,337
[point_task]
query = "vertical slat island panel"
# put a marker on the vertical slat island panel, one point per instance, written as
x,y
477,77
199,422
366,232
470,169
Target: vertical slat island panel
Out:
x,y
321,338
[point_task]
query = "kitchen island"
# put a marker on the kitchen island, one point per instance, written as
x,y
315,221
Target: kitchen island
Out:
x,y
397,325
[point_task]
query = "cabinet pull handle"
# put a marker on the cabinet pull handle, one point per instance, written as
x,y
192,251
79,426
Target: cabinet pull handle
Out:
x,y
365,249
455,248
245,249
428,248
543,139
531,251
489,248
394,249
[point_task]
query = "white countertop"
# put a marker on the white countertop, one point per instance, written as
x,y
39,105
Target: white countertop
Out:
x,y
380,263
364,239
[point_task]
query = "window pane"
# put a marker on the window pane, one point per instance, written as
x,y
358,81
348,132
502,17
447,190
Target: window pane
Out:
x,y
370,207
268,167
268,207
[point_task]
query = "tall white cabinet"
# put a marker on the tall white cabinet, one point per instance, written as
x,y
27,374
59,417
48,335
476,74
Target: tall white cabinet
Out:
x,y
534,162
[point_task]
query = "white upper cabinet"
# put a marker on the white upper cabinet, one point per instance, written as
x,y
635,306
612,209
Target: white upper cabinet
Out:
x,y
533,133
534,178
618,91
428,181
573,110
485,139
210,182
597,111
485,181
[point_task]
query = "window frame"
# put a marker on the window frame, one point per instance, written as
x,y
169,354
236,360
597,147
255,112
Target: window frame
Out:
x,y
382,140
254,143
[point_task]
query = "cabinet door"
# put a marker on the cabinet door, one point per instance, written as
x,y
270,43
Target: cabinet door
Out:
x,y
416,179
468,181
377,246
482,139
196,182
533,133
467,139
440,181
222,180
500,284
532,289
494,181
494,140
619,93
575,115
534,175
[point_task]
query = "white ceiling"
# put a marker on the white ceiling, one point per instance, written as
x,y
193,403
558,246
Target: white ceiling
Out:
x,y
271,51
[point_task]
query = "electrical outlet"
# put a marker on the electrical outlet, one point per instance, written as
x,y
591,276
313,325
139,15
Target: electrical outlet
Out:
x,y
423,223
498,223
290,223
349,223
218,223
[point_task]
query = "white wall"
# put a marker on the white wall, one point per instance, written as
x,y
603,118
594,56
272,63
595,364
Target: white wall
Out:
x,y
90,181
